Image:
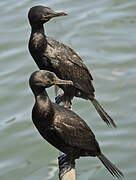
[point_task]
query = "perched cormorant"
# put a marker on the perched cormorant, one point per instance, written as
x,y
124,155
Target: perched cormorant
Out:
x,y
60,126
54,56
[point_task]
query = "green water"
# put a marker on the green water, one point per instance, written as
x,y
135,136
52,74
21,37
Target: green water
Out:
x,y
103,33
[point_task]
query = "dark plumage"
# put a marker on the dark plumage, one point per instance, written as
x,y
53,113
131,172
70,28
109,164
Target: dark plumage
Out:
x,y
61,127
54,56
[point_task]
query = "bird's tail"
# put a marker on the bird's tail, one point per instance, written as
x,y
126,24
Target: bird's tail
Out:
x,y
106,118
111,167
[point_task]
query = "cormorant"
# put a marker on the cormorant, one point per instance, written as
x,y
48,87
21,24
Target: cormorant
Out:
x,y
54,56
60,126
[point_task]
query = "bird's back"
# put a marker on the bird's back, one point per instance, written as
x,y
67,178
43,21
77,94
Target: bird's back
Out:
x,y
68,65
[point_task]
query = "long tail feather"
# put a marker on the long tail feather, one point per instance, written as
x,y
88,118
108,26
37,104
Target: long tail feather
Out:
x,y
111,167
106,118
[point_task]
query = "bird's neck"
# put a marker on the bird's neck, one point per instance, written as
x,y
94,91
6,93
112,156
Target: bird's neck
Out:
x,y
37,29
43,101
40,93
43,105
37,42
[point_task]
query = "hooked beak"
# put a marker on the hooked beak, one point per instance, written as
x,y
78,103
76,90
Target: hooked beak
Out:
x,y
62,82
59,14
54,14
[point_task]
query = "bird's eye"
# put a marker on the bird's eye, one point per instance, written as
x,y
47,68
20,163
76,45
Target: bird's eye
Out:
x,y
47,13
49,80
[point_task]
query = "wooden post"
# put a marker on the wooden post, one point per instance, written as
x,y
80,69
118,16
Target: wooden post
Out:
x,y
70,175
66,169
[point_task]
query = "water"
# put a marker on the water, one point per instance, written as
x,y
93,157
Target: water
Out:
x,y
103,33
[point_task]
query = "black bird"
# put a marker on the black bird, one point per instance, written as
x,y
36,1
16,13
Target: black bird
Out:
x,y
54,56
60,126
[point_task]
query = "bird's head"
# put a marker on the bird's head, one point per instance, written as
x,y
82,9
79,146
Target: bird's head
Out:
x,y
44,79
42,14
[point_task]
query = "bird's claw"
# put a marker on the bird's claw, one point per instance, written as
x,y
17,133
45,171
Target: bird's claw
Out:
x,y
65,164
59,99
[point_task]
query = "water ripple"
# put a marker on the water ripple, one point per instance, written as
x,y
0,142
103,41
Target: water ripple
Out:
x,y
103,33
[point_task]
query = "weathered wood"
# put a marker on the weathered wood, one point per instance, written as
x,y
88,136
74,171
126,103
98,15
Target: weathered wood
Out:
x,y
70,175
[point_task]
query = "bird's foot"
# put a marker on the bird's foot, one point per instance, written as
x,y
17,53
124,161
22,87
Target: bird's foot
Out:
x,y
61,101
65,164
67,104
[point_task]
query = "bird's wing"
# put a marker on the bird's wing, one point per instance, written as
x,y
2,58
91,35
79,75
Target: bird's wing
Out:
x,y
68,64
62,51
74,131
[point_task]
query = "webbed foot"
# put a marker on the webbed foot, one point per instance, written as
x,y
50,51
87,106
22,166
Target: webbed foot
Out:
x,y
65,164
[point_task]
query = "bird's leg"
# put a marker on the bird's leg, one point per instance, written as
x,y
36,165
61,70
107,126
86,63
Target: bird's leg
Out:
x,y
65,164
67,104
61,98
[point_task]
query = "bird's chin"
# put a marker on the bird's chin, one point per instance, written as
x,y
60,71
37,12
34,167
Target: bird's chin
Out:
x,y
45,21
48,85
